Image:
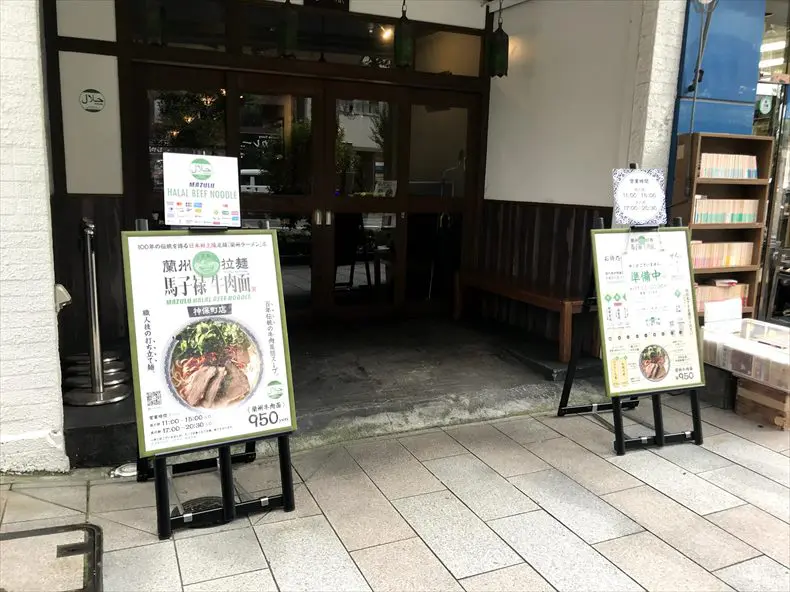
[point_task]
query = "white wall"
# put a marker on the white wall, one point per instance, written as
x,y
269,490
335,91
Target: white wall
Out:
x,y
565,114
31,408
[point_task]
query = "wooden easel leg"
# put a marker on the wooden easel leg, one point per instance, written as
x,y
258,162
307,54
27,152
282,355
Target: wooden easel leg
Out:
x,y
619,436
286,476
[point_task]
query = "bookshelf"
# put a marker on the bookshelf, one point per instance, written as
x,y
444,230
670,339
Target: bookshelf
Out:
x,y
721,191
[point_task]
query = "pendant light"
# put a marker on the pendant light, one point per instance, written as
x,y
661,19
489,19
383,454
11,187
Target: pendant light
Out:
x,y
404,40
287,31
498,49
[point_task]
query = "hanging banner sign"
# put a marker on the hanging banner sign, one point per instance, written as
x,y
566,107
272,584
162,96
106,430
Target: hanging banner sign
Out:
x,y
648,318
208,338
201,190
639,198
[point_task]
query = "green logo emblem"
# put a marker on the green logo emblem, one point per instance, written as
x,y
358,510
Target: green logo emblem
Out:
x,y
205,264
275,389
200,169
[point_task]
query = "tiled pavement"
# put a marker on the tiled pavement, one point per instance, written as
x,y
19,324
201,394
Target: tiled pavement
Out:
x,y
532,503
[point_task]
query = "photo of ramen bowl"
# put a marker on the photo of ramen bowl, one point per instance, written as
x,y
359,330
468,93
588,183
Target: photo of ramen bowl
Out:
x,y
213,363
654,363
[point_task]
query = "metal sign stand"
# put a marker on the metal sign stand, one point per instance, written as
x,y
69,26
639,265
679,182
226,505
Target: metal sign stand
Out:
x,y
212,511
627,402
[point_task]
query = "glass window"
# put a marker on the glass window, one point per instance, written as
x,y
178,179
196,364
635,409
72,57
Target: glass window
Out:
x,y
275,156
438,151
433,256
445,52
366,149
194,24
774,46
335,38
184,121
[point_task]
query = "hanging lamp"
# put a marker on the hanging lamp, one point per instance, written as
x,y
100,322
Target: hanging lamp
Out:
x,y
498,49
404,40
287,31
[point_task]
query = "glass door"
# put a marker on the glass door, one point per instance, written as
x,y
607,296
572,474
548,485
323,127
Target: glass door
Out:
x,y
365,184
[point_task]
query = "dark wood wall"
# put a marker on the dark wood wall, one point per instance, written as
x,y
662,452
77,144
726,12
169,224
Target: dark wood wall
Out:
x,y
541,247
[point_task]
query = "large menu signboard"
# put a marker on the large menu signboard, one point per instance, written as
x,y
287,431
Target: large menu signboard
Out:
x,y
648,318
208,338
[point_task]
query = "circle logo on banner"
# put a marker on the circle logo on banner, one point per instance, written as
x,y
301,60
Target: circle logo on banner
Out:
x,y
91,100
200,169
639,197
206,264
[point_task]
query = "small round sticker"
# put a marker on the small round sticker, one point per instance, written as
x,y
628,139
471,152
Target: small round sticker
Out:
x,y
91,100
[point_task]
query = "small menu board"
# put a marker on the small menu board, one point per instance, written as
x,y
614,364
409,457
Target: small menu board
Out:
x,y
208,338
647,314
639,198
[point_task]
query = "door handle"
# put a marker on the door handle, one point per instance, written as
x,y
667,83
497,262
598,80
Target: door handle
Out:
x,y
329,217
318,217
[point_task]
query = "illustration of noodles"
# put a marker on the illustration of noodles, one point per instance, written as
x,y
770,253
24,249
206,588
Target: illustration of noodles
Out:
x,y
654,363
214,363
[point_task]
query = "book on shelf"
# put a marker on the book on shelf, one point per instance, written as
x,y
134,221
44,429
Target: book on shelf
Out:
x,y
714,293
728,166
724,211
707,255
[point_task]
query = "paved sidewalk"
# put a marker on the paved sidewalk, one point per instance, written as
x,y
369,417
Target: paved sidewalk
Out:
x,y
529,503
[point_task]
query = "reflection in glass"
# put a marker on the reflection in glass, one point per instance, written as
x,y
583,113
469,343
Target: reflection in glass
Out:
x,y
193,24
364,258
434,255
186,122
438,151
445,52
276,144
365,149
294,242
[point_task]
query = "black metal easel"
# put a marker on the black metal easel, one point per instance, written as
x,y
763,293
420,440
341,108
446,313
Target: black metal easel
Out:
x,y
205,512
618,403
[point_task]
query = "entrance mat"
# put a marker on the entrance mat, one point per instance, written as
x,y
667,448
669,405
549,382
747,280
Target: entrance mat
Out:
x,y
57,559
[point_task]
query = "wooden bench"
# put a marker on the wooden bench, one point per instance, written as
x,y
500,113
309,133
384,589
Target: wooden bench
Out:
x,y
566,307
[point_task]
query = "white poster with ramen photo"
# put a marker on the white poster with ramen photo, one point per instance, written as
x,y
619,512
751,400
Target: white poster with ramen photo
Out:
x,y
201,190
208,338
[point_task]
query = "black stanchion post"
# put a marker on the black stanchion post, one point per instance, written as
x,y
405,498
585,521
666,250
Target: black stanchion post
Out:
x,y
286,476
163,525
226,482
619,436
658,419
695,416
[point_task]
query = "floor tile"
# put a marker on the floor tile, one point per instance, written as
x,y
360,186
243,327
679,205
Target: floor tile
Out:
x,y
654,565
305,507
325,462
525,430
74,497
608,417
582,512
682,486
762,531
768,436
517,578
153,567
431,446
44,523
567,562
253,581
691,457
752,456
261,475
584,467
404,566
505,456
117,535
305,554
481,488
109,497
692,535
358,511
753,488
761,574
32,563
21,507
393,469
590,434
460,539
682,403
219,555
674,421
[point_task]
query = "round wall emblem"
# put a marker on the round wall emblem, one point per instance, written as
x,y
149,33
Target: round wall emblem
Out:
x,y
91,100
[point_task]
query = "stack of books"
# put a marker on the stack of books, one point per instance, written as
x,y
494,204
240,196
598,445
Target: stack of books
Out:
x,y
724,211
728,166
720,289
707,255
